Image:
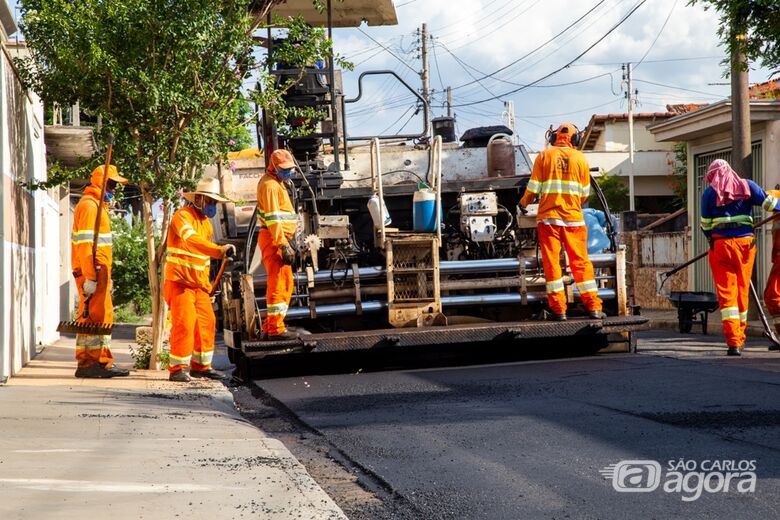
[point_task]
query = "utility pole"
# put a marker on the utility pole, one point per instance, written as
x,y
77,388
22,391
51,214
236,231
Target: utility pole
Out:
x,y
426,90
510,119
630,99
741,152
449,102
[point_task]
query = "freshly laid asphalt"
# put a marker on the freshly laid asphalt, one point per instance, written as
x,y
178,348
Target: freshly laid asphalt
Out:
x,y
140,447
528,439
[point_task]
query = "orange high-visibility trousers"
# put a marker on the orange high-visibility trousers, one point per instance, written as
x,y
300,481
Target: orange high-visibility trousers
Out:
x,y
575,240
95,349
772,294
731,261
279,286
192,327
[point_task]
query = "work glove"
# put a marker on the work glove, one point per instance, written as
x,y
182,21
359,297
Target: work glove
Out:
x,y
228,250
288,254
89,287
521,211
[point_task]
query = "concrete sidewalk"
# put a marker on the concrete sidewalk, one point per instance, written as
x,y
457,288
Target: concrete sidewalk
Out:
x,y
140,447
663,319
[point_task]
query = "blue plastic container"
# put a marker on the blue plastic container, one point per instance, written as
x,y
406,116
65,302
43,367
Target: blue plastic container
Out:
x,y
424,211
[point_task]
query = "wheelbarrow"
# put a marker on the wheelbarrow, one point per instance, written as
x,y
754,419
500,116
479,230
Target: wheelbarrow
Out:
x,y
693,307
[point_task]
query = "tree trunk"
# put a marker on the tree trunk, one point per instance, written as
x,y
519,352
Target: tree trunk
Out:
x,y
154,273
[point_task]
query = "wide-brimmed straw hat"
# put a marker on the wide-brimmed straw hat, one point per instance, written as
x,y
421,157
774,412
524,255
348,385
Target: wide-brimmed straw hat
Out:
x,y
208,187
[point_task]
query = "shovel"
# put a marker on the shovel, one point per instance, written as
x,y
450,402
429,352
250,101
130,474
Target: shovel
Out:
x,y
662,277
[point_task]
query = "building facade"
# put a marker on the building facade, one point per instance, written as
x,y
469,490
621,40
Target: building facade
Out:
x,y
30,219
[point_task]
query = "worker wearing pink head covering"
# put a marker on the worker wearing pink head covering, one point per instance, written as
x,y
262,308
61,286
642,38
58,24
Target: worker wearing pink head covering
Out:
x,y
727,221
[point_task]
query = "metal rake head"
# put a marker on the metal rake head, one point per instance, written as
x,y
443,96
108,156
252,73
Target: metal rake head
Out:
x,y
76,327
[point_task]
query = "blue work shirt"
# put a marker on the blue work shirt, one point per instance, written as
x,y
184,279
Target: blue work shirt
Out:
x,y
735,219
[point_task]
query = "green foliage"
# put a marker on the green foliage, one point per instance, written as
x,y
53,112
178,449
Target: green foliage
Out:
x,y
679,178
759,20
142,353
615,192
129,272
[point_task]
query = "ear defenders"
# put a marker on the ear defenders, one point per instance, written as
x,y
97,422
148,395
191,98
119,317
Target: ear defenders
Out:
x,y
576,136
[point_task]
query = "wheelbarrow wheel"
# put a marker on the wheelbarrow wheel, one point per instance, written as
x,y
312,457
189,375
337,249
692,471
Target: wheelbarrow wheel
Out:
x,y
685,321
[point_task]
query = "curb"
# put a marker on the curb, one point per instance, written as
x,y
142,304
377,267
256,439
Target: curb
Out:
x,y
713,328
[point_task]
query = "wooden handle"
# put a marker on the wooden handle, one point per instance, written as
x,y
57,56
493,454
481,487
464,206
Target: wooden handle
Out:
x,y
100,202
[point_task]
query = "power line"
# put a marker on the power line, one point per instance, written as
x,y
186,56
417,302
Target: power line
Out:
x,y
658,35
545,116
463,66
678,88
526,55
583,53
388,50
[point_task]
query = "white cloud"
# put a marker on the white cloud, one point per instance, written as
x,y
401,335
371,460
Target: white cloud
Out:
x,y
486,35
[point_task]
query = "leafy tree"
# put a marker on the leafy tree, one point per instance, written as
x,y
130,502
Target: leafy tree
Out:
x,y
129,276
758,20
615,192
165,78
679,177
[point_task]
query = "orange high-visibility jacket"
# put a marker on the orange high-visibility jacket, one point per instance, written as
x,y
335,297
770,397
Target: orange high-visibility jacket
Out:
x,y
84,233
561,178
775,230
275,210
189,249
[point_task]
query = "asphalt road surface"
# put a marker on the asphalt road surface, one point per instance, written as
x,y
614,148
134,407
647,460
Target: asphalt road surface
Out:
x,y
534,439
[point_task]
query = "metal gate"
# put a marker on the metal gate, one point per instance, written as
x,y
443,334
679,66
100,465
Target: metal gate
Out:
x,y
702,275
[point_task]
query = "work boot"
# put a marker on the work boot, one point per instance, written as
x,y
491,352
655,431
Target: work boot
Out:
x,y
209,373
734,351
118,372
553,316
95,372
596,315
180,376
284,336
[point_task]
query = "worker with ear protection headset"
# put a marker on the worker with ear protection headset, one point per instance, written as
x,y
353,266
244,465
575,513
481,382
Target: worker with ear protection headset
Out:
x,y
561,180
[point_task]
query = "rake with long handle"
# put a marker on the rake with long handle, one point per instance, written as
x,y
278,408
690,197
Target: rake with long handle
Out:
x,y
80,327
768,332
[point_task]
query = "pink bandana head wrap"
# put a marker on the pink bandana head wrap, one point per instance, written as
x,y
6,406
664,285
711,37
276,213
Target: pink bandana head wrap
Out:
x,y
727,184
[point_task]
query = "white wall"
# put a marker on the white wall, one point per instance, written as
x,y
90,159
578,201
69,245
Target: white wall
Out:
x,y
29,267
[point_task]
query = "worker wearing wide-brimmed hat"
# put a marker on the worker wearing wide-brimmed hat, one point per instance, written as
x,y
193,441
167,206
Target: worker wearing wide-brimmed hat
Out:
x,y
277,221
187,286
93,274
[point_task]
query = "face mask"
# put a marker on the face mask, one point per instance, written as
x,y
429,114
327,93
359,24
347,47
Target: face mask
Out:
x,y
109,196
284,174
210,210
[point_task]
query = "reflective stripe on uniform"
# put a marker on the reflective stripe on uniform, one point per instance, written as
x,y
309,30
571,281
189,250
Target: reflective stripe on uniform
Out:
x,y
276,309
562,187
185,263
177,251
86,236
770,203
276,216
587,287
729,313
187,231
564,223
743,316
203,358
555,286
712,223
176,360
91,342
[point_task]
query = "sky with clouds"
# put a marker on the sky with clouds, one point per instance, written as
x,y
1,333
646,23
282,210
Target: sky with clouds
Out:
x,y
673,46
490,51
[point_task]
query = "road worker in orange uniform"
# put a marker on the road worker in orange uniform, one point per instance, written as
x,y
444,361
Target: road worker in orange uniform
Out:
x,y
277,221
561,180
93,275
187,287
772,291
727,221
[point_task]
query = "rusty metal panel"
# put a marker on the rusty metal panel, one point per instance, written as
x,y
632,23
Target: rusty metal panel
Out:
x,y
662,249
